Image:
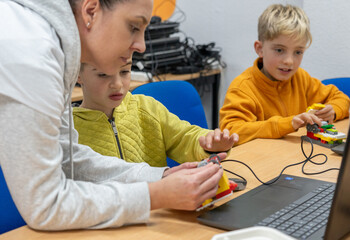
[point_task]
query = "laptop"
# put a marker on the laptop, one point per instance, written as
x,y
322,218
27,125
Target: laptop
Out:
x,y
274,206
339,149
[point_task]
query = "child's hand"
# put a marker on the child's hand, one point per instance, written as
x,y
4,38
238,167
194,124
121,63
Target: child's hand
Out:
x,y
302,119
326,114
217,141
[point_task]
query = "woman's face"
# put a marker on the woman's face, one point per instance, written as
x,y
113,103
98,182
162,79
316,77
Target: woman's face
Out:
x,y
112,35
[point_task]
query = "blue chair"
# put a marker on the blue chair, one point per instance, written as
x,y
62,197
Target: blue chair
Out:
x,y
180,98
9,217
343,84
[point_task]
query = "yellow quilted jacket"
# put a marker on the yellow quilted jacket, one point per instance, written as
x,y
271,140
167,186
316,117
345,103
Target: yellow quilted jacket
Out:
x,y
146,132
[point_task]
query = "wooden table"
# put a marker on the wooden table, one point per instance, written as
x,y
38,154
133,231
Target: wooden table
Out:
x,y
77,94
266,156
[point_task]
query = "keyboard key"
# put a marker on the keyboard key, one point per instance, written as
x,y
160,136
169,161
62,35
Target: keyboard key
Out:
x,y
306,215
305,198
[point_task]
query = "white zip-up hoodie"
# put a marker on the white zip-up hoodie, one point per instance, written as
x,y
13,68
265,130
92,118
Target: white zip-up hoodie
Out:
x,y
39,64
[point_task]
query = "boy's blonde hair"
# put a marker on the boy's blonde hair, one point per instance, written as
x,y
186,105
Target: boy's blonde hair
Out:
x,y
279,20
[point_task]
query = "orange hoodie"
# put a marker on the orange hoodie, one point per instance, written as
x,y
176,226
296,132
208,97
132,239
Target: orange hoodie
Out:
x,y
257,107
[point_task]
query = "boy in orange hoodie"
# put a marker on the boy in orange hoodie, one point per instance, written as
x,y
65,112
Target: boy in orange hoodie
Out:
x,y
269,99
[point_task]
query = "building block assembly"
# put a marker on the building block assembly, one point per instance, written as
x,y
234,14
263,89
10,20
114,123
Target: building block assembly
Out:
x,y
225,187
325,135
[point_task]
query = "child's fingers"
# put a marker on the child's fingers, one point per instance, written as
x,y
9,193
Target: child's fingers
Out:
x,y
297,122
217,134
209,139
315,119
201,140
327,117
226,133
324,110
326,114
309,118
235,137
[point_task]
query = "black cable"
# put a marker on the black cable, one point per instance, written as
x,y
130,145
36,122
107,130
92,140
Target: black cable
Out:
x,y
201,57
178,15
310,157
196,57
304,162
236,175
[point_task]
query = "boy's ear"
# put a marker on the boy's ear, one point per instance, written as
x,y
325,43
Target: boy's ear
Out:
x,y
258,48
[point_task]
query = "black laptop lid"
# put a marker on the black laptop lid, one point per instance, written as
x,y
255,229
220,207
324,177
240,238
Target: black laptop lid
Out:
x,y
339,219
339,149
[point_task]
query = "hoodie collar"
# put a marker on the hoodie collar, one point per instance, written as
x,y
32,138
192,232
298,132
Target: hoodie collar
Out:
x,y
263,82
60,16
96,115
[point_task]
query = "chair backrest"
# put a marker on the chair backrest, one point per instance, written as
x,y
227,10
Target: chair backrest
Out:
x,y
180,98
9,216
343,84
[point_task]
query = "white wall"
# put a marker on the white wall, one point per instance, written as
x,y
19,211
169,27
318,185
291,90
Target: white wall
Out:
x,y
232,24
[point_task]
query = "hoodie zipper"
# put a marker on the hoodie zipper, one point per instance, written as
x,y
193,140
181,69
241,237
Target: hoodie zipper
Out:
x,y
116,137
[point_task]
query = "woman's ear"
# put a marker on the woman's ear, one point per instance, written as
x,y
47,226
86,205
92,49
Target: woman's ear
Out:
x,y
79,80
258,48
89,9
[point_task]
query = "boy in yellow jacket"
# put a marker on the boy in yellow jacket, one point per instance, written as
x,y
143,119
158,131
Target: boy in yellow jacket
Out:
x,y
269,99
138,128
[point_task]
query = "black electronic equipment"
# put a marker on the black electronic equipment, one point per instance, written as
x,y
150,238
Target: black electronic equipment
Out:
x,y
161,30
167,53
162,44
158,54
163,51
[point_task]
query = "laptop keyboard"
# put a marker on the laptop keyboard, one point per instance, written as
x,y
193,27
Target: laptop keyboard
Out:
x,y
305,216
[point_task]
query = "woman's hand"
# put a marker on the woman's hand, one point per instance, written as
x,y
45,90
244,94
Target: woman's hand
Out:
x,y
186,187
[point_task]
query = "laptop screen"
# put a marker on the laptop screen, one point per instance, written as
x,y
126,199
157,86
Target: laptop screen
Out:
x,y
339,218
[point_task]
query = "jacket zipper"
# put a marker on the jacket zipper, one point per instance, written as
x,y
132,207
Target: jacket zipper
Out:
x,y
116,137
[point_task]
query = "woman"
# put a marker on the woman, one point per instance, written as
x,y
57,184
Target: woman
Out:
x,y
56,183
